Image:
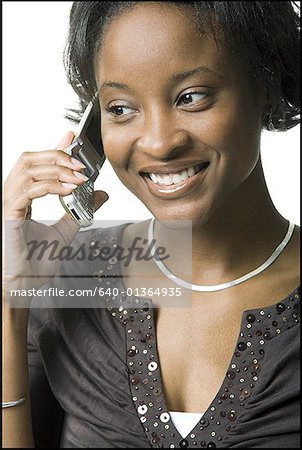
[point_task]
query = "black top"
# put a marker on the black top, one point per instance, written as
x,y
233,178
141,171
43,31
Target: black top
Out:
x,y
95,374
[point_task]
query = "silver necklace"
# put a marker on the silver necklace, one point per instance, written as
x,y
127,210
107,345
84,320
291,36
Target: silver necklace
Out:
x,y
218,287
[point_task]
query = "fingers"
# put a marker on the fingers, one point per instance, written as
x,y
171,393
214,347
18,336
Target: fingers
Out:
x,y
65,141
27,193
48,157
100,197
38,182
40,173
54,173
37,174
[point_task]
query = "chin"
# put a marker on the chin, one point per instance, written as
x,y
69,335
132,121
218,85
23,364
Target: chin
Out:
x,y
176,217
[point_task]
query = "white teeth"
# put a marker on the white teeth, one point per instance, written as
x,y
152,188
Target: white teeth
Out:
x,y
153,177
175,178
185,174
191,171
164,179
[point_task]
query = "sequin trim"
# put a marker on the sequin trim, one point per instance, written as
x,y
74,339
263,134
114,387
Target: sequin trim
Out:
x,y
136,314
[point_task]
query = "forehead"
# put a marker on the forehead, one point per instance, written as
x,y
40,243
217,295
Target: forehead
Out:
x,y
150,22
160,35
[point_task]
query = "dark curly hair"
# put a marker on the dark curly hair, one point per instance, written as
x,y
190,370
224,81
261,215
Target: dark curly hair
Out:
x,y
264,35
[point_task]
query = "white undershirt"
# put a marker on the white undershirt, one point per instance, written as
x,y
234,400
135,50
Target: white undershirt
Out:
x,y
185,421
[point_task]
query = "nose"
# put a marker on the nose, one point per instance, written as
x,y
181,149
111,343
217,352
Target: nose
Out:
x,y
162,136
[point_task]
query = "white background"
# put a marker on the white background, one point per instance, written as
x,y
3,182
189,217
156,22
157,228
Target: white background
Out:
x,y
36,93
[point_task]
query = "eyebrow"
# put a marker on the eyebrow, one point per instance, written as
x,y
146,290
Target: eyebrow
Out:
x,y
175,78
181,76
113,84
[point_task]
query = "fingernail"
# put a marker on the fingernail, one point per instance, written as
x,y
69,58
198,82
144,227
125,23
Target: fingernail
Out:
x,y
77,163
69,185
80,175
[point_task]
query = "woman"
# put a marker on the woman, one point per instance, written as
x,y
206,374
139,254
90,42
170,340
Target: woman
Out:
x,y
184,90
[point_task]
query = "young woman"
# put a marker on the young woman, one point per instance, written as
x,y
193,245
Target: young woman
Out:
x,y
184,91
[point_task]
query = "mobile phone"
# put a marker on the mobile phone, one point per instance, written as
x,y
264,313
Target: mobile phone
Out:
x,y
86,147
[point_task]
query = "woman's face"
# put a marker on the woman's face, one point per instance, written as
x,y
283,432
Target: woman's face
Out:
x,y
180,120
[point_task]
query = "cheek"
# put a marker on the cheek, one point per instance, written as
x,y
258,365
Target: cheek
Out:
x,y
233,132
115,147
118,150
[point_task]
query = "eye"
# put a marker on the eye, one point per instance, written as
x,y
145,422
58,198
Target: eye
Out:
x,y
120,110
191,98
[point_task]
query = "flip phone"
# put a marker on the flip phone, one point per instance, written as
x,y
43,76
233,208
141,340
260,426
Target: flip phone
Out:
x,y
87,147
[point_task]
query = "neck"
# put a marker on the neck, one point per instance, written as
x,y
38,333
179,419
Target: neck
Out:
x,y
240,236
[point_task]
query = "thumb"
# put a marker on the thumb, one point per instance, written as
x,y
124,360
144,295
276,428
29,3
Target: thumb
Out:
x,y
100,197
65,141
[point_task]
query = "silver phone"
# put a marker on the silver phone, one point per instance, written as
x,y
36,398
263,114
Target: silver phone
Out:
x,y
86,147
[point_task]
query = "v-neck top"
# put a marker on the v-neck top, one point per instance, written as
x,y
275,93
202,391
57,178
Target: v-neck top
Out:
x,y
95,373
184,422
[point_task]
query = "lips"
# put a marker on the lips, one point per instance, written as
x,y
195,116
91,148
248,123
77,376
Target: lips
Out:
x,y
176,177
174,183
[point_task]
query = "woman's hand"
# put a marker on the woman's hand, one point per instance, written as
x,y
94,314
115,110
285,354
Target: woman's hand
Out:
x,y
35,175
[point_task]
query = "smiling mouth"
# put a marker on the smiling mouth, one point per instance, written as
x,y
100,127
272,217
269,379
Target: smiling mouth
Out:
x,y
168,179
